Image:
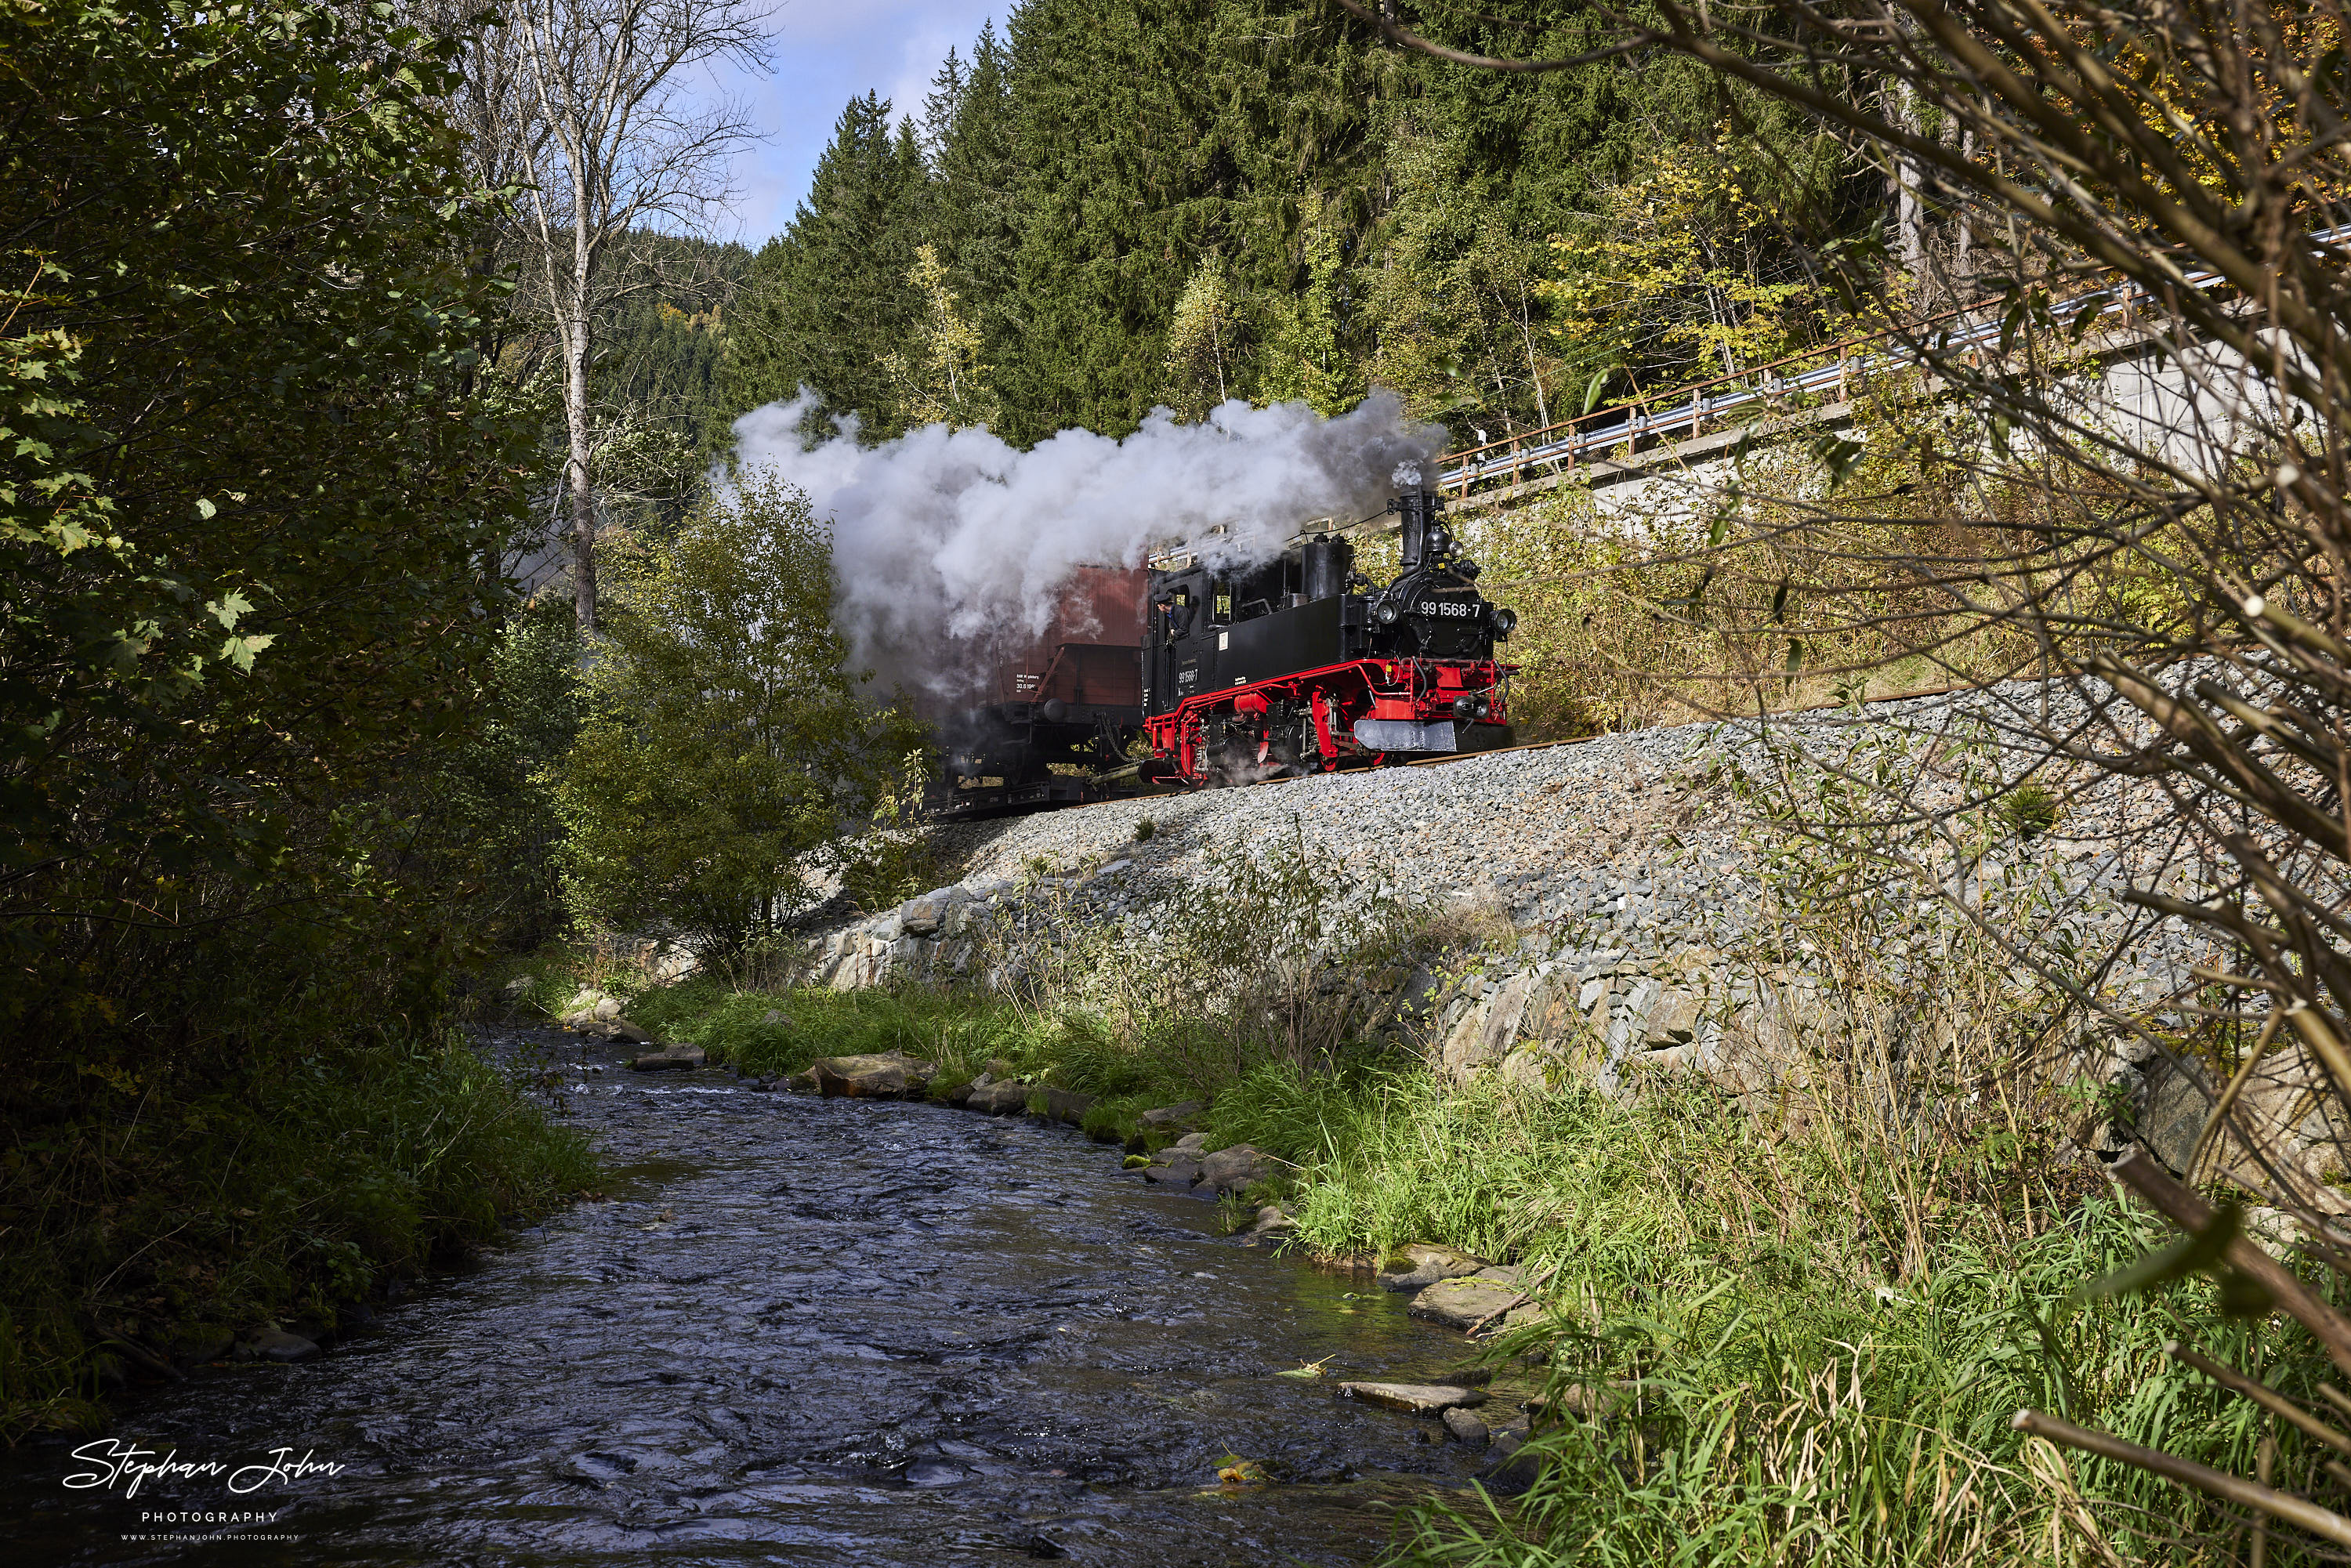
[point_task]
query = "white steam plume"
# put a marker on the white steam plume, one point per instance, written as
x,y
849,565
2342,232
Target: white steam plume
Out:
x,y
945,537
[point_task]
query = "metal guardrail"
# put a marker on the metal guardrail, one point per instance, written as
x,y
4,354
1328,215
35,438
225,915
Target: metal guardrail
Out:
x,y
1835,366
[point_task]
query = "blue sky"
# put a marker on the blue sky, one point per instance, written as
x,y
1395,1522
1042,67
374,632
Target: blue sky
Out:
x,y
826,51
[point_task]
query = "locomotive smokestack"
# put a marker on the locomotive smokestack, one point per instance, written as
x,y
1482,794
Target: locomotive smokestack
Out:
x,y
1418,509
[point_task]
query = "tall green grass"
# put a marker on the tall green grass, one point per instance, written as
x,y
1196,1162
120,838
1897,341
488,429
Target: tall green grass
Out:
x,y
1776,1390
288,1192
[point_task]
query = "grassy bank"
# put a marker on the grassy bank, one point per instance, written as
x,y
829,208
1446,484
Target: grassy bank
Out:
x,y
1775,1387
162,1223
1775,1383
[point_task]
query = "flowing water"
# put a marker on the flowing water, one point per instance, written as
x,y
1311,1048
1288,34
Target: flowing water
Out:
x,y
803,1331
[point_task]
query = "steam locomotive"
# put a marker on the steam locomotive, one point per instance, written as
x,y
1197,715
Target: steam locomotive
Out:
x,y
1298,664
1303,664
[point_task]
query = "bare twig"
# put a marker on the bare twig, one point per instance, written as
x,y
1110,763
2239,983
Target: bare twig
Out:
x,y
2294,1511
2138,1171
2261,1394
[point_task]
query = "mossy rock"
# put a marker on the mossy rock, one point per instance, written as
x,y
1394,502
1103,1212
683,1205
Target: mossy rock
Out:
x,y
200,1341
1109,1124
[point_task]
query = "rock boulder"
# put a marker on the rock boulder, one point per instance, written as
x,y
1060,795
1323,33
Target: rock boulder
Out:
x,y
1467,1429
1415,1398
1000,1099
1062,1105
1462,1303
1417,1264
1231,1170
276,1344
891,1076
671,1056
1173,1168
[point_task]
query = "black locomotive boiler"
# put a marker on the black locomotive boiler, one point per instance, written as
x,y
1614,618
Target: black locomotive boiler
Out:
x,y
1303,665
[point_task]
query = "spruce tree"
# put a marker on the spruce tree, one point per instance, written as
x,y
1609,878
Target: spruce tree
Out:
x,y
829,299
974,222
1109,99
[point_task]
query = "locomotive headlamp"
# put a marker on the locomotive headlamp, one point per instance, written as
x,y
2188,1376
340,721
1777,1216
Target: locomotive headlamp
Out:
x,y
1387,614
1505,622
1440,540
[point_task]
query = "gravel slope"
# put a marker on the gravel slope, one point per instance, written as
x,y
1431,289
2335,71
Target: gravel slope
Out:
x,y
1629,839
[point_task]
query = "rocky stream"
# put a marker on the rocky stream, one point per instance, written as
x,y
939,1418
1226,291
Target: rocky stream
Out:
x,y
804,1330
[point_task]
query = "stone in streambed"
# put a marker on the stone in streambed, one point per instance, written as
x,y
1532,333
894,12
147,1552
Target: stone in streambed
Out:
x,y
998,1099
889,1076
276,1344
1065,1106
1182,1115
1467,1429
1414,1398
1230,1170
1508,1472
594,1014
1461,1303
671,1056
1417,1265
935,1473
1173,1169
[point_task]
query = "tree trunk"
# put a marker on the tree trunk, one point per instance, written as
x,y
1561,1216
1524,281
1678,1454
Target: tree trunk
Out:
x,y
575,413
1909,208
1535,370
575,477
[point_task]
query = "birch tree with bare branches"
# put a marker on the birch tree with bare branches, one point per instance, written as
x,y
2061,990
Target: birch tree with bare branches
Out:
x,y
606,118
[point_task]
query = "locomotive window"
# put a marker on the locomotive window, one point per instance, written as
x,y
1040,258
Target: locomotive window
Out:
x,y
1224,607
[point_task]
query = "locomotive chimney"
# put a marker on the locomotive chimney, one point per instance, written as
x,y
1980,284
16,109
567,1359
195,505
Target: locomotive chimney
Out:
x,y
1419,510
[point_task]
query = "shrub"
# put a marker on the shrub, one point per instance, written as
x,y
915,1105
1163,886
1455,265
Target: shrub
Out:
x,y
723,740
2031,809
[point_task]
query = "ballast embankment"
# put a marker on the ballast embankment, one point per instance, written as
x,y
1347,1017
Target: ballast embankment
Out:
x,y
1619,888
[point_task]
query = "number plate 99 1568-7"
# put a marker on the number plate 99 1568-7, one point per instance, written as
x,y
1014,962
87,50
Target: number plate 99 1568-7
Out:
x,y
1443,607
